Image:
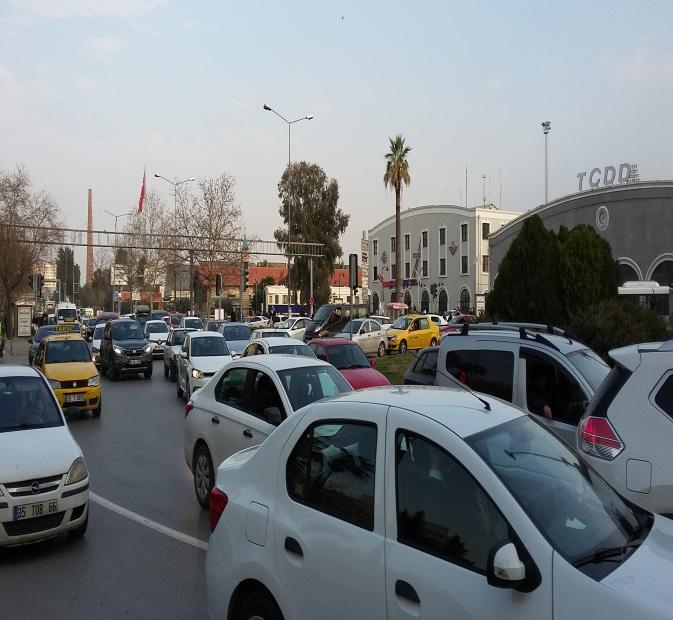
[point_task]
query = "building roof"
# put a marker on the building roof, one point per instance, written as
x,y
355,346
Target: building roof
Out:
x,y
340,277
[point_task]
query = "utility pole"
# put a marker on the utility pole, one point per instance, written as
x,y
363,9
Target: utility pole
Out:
x,y
546,128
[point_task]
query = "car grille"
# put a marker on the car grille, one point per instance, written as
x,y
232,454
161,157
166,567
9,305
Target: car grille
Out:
x,y
77,512
32,526
25,487
132,352
69,385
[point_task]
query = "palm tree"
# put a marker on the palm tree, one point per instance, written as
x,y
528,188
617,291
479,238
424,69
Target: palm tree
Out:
x,y
397,173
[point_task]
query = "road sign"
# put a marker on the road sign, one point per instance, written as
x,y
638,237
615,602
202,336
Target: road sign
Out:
x,y
311,301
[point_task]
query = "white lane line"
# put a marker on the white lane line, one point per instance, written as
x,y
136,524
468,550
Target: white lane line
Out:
x,y
157,527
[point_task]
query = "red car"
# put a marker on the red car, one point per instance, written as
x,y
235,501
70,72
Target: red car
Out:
x,y
456,323
348,358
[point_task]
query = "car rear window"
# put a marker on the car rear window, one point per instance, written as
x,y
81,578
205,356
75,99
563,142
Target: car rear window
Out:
x,y
664,397
236,332
26,403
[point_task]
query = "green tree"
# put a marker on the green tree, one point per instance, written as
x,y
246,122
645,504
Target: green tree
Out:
x,y
67,271
396,175
257,300
316,218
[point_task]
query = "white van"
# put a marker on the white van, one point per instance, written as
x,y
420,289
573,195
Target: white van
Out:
x,y
66,312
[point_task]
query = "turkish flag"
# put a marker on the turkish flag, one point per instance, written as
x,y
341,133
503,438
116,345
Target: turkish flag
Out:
x,y
142,195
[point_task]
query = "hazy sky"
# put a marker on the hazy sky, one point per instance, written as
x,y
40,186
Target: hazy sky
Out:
x,y
92,90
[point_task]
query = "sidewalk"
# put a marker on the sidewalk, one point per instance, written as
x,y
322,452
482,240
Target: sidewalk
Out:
x,y
17,350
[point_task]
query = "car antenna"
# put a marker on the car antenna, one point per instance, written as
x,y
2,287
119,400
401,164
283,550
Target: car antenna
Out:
x,y
449,376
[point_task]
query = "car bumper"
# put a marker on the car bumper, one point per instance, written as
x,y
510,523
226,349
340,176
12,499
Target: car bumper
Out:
x,y
158,350
393,345
125,364
86,398
71,511
195,384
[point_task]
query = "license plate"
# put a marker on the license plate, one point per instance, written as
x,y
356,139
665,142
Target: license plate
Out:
x,y
74,398
134,362
30,511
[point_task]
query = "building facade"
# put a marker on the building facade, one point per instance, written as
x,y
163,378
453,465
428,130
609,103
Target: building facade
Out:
x,y
445,257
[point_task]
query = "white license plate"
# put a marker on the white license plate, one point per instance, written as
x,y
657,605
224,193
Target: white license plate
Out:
x,y
75,398
134,362
30,511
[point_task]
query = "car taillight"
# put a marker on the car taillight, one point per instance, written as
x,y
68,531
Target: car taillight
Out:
x,y
217,504
598,438
188,408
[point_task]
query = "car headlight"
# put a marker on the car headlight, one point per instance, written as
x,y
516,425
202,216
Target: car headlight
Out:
x,y
78,472
392,337
197,374
117,349
149,347
55,384
94,381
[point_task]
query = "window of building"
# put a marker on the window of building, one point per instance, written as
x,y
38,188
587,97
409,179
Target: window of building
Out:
x,y
441,510
485,230
442,266
393,271
424,236
375,246
376,272
284,299
463,265
393,245
664,397
490,372
406,242
463,232
442,236
407,271
486,263
333,469
276,298
425,269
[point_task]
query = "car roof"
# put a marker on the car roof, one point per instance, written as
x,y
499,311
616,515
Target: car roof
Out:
x,y
185,329
157,321
236,324
273,342
199,334
281,362
62,337
15,370
330,342
457,409
564,344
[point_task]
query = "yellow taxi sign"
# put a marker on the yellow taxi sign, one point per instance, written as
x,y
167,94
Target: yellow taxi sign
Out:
x,y
64,328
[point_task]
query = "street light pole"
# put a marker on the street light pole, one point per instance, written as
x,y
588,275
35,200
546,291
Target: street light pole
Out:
x,y
308,117
546,128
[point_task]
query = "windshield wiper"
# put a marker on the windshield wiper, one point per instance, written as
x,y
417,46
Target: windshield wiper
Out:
x,y
605,553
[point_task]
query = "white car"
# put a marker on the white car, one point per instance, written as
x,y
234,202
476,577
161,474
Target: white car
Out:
x,y
201,356
627,431
44,481
369,334
437,319
95,342
432,503
295,326
256,322
268,333
384,321
172,350
191,322
244,403
277,346
157,333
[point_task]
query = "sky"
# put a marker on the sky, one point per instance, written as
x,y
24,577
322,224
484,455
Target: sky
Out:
x,y
92,91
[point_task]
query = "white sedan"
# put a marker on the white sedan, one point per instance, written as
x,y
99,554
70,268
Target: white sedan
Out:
x,y
278,346
44,481
295,326
432,503
244,403
256,322
157,334
201,356
369,334
268,333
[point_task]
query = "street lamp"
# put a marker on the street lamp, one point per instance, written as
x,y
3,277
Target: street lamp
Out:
x,y
308,117
546,128
116,216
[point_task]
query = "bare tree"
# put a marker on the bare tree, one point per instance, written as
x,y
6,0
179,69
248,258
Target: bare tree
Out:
x,y
22,248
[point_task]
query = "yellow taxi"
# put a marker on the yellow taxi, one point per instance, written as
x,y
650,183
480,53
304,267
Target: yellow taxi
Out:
x,y
413,331
65,360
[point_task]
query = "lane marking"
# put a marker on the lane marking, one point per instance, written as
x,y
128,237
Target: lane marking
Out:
x,y
157,527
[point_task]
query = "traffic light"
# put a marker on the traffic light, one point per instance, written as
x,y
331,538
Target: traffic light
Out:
x,y
244,276
218,284
353,272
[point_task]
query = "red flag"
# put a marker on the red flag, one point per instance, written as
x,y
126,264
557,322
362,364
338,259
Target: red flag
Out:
x,y
142,196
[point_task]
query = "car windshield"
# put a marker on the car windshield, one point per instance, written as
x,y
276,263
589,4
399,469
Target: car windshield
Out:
x,y
63,351
26,403
357,324
175,320
98,331
292,349
347,356
591,367
128,330
194,323
573,507
401,323
286,324
308,384
236,332
156,328
208,347
323,314
67,314
179,337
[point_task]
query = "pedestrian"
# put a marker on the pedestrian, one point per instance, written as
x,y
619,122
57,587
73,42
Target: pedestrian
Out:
x,y
233,315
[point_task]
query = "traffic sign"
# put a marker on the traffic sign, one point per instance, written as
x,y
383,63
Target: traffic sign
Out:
x,y
311,301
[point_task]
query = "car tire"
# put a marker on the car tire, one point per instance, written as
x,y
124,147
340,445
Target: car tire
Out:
x,y
403,347
382,349
147,373
165,370
433,342
80,530
204,475
258,604
98,410
103,369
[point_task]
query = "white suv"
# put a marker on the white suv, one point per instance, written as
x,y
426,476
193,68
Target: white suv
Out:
x,y
550,375
627,431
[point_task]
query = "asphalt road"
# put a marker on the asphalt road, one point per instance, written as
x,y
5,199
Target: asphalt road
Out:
x,y
143,554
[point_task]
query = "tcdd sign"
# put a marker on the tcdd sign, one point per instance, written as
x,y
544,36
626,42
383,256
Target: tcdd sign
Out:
x,y
609,176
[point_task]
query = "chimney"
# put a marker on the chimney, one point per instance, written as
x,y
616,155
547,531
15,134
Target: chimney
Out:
x,y
89,241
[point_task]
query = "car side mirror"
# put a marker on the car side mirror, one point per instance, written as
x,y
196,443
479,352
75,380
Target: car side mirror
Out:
x,y
372,362
505,569
362,331
183,355
273,415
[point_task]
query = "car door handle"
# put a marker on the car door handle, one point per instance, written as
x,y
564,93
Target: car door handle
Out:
x,y
406,590
215,420
247,433
293,546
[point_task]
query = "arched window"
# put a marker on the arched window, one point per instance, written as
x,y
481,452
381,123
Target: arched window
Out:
x,y
425,301
664,273
375,303
407,299
627,274
465,301
443,301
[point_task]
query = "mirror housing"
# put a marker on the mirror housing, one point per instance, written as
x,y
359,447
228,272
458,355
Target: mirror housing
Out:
x,y
273,415
372,362
505,569
183,355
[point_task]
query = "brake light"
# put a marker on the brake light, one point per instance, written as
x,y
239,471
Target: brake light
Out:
x,y
598,438
188,408
216,505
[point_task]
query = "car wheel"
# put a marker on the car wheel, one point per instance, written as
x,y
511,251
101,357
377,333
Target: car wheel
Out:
x,y
433,342
204,476
98,410
258,605
403,347
79,531
382,349
103,369
148,372
165,370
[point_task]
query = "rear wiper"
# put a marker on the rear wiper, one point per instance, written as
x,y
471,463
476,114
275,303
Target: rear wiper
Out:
x,y
604,554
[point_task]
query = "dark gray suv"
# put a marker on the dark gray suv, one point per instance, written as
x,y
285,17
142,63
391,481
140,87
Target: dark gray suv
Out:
x,y
124,349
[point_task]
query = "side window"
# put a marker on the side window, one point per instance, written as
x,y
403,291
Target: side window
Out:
x,y
320,352
427,365
490,372
414,326
332,469
664,397
231,388
550,391
441,510
424,324
39,355
265,402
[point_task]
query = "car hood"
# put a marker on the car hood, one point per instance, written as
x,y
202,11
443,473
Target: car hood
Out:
x,y
158,337
210,363
361,378
237,346
70,371
646,575
396,332
130,344
55,446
